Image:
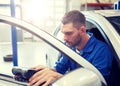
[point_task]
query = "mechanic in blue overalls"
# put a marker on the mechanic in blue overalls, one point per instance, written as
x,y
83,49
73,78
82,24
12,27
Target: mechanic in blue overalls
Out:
x,y
76,37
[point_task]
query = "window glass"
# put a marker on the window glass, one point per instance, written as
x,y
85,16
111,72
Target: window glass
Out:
x,y
30,52
115,21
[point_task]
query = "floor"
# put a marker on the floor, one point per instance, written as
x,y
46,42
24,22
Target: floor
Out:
x,y
29,54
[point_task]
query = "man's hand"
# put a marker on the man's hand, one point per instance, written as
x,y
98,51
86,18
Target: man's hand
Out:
x,y
44,76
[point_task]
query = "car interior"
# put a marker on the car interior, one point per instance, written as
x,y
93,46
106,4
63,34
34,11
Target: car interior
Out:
x,y
114,79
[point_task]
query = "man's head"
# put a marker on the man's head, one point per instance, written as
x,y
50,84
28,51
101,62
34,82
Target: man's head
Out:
x,y
73,27
74,17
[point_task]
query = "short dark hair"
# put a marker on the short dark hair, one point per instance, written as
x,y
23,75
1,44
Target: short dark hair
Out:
x,y
75,17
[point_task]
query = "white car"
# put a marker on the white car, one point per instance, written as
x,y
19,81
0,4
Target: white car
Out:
x,y
87,74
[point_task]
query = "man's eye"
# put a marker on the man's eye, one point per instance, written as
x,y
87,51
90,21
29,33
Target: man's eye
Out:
x,y
68,33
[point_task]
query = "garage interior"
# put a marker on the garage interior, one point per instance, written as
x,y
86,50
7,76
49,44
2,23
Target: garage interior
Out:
x,y
45,14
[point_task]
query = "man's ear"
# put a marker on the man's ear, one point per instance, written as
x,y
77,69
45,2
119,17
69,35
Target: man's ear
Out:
x,y
82,29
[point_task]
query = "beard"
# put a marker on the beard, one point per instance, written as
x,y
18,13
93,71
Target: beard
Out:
x,y
73,43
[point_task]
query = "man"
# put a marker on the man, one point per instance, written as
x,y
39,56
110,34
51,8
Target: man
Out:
x,y
85,44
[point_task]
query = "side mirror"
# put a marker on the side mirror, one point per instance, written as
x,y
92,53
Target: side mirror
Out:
x,y
79,77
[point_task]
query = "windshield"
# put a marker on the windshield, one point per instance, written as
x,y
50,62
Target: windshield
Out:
x,y
115,21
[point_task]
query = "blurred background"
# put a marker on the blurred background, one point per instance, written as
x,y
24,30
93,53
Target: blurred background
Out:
x,y
46,14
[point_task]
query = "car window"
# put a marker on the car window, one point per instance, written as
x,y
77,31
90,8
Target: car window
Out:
x,y
115,21
30,50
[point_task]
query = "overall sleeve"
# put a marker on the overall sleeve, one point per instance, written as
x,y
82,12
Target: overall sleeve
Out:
x,y
62,65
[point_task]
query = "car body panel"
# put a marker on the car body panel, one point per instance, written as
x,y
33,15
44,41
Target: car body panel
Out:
x,y
81,79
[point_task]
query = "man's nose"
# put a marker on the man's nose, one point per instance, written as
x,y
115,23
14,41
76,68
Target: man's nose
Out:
x,y
65,38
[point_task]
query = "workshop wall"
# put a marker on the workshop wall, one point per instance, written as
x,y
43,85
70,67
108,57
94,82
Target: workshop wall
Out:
x,y
45,14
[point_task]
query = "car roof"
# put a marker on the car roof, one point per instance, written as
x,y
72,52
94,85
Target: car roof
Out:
x,y
105,13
